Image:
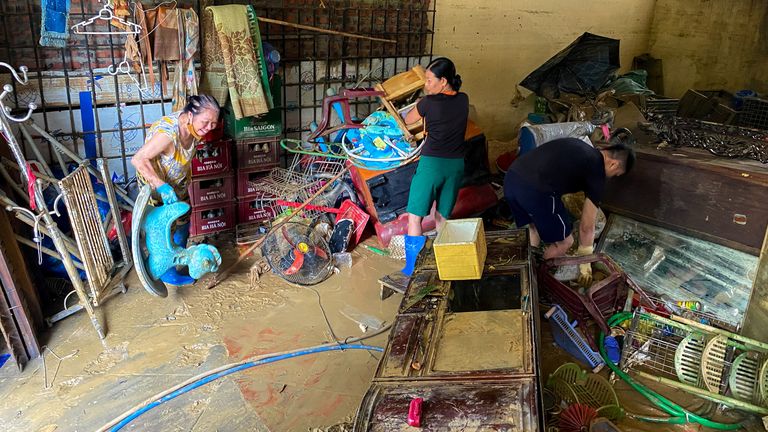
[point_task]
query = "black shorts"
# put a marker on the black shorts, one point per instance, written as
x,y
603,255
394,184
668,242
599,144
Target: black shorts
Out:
x,y
545,211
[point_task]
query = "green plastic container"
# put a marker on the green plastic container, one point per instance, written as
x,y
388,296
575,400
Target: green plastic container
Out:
x,y
267,125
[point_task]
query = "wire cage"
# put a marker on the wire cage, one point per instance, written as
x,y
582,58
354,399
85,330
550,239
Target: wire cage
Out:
x,y
706,361
297,183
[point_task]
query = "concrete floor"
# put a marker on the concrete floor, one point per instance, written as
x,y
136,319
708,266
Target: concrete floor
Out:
x,y
155,343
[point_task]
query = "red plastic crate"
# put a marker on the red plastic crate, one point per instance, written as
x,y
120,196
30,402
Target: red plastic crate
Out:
x,y
256,210
598,303
213,218
212,158
204,191
245,181
261,153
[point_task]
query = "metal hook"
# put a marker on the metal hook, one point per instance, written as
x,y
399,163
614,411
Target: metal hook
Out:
x,y
7,110
15,74
56,203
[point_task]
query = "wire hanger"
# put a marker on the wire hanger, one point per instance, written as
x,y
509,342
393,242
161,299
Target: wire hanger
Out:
x,y
106,14
124,67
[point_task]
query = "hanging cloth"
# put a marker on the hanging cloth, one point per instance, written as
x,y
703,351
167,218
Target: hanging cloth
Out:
x,y
233,47
145,44
120,10
185,80
54,31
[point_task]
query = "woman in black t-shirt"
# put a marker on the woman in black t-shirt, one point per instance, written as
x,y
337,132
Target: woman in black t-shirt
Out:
x,y
441,166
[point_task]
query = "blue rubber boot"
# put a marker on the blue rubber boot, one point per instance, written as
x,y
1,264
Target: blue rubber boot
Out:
x,y
413,245
173,276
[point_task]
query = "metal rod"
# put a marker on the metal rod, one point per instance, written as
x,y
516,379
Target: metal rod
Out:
x,y
745,340
73,156
115,211
36,151
50,252
322,30
14,185
705,394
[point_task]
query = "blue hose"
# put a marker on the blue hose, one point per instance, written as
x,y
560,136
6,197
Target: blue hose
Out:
x,y
206,380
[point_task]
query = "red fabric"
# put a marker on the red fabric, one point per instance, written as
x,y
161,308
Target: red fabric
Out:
x,y
31,181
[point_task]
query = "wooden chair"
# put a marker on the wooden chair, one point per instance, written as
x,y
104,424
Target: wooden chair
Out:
x,y
400,87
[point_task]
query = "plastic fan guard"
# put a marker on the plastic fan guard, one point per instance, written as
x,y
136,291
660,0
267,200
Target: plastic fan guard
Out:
x,y
713,363
688,359
744,376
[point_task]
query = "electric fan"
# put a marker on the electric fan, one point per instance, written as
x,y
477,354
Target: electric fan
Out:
x,y
298,254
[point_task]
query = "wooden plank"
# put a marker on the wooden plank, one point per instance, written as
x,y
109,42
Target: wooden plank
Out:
x,y
23,299
59,92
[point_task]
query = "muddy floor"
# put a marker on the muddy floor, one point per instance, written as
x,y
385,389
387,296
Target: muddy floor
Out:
x,y
156,343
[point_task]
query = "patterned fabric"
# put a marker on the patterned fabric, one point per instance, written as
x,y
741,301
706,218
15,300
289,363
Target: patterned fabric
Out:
x,y
253,24
54,30
231,46
174,169
185,80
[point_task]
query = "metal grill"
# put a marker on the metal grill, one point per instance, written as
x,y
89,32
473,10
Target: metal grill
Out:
x,y
754,114
706,361
65,83
89,234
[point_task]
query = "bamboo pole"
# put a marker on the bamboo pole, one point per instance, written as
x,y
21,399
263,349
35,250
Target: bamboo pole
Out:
x,y
746,406
322,30
218,278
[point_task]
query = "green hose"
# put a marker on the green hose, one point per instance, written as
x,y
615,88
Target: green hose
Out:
x,y
679,415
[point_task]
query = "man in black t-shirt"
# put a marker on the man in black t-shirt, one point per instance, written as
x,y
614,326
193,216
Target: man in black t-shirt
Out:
x,y
536,181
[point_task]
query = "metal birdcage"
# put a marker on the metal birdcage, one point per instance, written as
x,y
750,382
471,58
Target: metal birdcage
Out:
x,y
709,362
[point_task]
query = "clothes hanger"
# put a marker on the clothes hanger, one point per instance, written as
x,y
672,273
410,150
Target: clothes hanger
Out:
x,y
124,67
105,14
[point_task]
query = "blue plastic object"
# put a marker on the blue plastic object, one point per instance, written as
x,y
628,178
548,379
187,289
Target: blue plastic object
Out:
x,y
612,349
163,254
738,99
236,368
568,338
4,358
413,245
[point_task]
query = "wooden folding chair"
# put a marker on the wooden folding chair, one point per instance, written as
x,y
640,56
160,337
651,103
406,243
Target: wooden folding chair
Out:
x,y
400,87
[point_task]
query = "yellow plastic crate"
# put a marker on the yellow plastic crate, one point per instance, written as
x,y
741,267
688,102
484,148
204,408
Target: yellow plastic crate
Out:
x,y
460,249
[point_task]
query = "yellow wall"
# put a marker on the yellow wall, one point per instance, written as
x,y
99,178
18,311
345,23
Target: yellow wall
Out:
x,y
495,44
711,44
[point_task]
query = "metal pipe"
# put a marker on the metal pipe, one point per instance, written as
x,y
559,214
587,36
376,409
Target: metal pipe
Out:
x,y
50,252
69,153
14,185
38,155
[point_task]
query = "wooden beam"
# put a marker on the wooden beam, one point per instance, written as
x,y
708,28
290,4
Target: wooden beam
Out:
x,y
322,30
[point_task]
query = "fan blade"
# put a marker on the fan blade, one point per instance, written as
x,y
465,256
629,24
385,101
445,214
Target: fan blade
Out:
x,y
320,252
576,418
298,262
